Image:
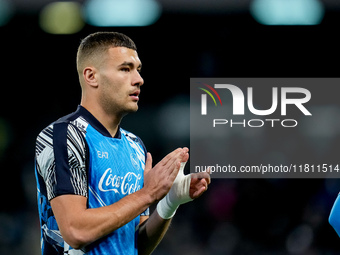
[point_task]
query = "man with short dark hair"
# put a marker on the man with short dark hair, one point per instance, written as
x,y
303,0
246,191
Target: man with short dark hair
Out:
x,y
95,180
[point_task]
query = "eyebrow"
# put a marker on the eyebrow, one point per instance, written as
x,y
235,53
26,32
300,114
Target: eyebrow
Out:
x,y
131,65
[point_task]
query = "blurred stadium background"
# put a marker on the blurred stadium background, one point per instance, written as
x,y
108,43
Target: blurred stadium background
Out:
x,y
176,40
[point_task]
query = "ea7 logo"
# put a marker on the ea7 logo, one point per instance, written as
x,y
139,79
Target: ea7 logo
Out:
x,y
238,99
103,154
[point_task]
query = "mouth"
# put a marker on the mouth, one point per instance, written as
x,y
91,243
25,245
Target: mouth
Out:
x,y
135,95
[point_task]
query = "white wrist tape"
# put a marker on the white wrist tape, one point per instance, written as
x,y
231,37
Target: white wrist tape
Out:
x,y
178,194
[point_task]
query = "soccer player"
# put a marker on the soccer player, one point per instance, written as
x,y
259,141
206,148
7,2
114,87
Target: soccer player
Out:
x,y
95,180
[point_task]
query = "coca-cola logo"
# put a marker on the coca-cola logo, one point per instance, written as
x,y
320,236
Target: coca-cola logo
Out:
x,y
127,184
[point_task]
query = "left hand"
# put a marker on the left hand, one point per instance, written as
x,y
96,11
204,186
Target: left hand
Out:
x,y
185,188
199,184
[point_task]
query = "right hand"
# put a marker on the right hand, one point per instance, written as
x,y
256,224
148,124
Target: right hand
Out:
x,y
159,179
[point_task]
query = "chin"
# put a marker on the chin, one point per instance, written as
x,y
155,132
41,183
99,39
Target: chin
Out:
x,y
132,109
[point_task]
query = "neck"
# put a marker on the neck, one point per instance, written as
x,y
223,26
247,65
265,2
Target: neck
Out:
x,y
109,121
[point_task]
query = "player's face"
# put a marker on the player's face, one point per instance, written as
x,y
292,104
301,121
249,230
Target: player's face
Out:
x,y
120,80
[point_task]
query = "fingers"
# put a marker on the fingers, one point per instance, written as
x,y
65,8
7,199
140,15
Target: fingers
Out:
x,y
199,184
171,162
208,179
182,153
185,156
198,188
171,156
167,169
202,175
160,178
198,193
148,163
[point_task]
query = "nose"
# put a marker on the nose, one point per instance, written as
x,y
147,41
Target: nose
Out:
x,y
138,80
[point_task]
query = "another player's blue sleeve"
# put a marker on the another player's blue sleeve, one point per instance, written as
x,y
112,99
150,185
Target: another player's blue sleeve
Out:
x,y
334,217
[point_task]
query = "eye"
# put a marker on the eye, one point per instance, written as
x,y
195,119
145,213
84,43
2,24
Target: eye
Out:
x,y
125,69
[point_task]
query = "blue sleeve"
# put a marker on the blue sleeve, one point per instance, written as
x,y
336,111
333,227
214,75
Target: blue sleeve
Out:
x,y
334,217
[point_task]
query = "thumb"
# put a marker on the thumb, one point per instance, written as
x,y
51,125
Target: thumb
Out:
x,y
181,169
180,174
148,163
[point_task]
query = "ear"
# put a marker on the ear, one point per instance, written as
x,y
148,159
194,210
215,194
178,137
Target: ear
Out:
x,y
89,75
